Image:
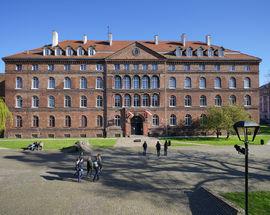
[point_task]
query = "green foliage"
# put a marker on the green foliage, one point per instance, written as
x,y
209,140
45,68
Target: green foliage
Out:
x,y
5,114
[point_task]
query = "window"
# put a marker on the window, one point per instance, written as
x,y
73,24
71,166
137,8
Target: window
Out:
x,y
117,82
99,101
136,67
187,67
116,67
232,83
188,101
172,120
35,121
67,83
18,67
155,121
199,52
172,83
99,83
201,67
187,84
126,82
145,100
67,67
246,68
67,101
83,121
50,67
217,83
202,84
203,101
68,121
69,51
83,101
189,52
247,100
144,67
117,101
19,102
210,52
51,121
218,101
35,67
35,102
51,83
171,67
232,100
154,67
188,120
57,52
247,83
127,100
232,68
46,52
145,82
91,51
137,102
126,66
19,83
203,120
80,51
99,67
99,121
217,67
18,121
117,120
221,52
136,82
172,101
83,83
154,82
83,67
155,100
35,83
51,102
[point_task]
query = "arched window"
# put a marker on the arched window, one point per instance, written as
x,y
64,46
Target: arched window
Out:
x,y
172,101
51,102
155,100
203,120
247,100
99,83
68,121
117,82
232,100
155,121
210,52
46,51
35,121
172,120
188,120
189,52
218,101
155,82
35,102
117,120
91,51
137,100
117,100
18,122
187,83
83,83
19,83
145,82
19,102
57,51
69,51
232,83
126,82
145,100
67,102
199,52
188,101
203,101
247,83
99,101
80,51
136,82
35,83
51,121
99,121
172,83
51,83
127,100
83,101
202,84
217,83
67,83
83,121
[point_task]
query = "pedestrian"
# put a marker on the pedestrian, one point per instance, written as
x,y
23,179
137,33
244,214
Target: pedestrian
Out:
x,y
97,169
144,148
79,168
165,148
89,164
99,160
169,143
158,147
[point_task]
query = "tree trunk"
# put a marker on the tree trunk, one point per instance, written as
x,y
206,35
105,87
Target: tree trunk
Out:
x,y
217,133
228,134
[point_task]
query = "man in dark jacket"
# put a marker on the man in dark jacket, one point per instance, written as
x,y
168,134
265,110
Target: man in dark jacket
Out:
x,y
158,147
165,148
144,148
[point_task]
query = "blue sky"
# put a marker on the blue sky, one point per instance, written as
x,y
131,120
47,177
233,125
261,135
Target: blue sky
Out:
x,y
242,25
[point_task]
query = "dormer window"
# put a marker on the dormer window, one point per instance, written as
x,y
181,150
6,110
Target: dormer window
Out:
x,y
221,52
91,51
178,51
58,52
69,51
80,51
210,52
189,52
199,52
46,51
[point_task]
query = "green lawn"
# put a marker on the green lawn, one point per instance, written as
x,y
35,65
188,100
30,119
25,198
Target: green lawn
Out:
x,y
56,143
259,202
264,129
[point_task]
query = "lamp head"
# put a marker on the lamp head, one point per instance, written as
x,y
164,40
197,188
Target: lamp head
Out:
x,y
246,125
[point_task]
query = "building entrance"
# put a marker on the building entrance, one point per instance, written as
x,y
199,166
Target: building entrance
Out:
x,y
137,125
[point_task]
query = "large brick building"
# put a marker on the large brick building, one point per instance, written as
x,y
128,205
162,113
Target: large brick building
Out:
x,y
265,103
110,88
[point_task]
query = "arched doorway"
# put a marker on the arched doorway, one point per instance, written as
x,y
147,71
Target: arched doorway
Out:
x,y
137,125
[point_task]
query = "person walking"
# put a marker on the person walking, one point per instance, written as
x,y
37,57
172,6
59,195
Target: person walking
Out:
x,y
99,160
79,168
89,165
96,165
165,148
158,147
144,148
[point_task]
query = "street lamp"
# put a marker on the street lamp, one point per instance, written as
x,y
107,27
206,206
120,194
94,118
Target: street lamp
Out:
x,y
242,128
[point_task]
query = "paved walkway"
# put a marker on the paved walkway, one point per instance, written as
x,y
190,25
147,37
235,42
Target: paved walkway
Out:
x,y
136,141
43,182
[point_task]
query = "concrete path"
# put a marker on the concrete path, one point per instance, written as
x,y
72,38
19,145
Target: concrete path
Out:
x,y
136,141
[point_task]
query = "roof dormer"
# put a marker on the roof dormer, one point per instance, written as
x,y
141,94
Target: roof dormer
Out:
x,y
220,52
91,51
210,52
178,51
199,52
69,51
58,51
47,51
80,51
189,52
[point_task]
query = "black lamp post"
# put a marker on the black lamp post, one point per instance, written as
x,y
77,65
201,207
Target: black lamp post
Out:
x,y
245,127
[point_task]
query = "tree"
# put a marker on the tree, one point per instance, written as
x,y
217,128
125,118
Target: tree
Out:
x,y
5,115
215,119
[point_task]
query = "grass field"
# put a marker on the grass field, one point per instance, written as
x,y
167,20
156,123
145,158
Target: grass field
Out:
x,y
259,202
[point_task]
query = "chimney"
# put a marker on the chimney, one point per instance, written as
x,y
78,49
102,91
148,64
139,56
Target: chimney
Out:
x,y
84,39
110,38
184,39
54,38
156,39
208,40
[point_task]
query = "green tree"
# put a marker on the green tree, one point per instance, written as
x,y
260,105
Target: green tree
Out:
x,y
215,119
5,115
